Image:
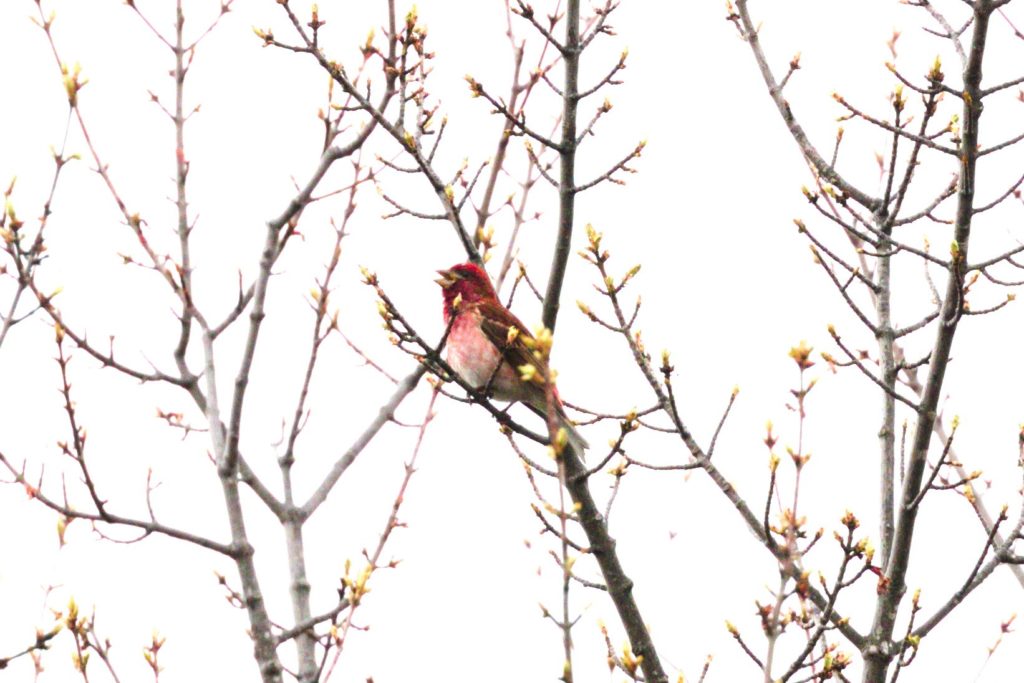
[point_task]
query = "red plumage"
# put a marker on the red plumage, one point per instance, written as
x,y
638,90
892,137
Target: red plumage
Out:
x,y
485,351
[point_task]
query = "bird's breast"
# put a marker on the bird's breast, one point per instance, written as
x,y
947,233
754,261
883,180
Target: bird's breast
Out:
x,y
477,360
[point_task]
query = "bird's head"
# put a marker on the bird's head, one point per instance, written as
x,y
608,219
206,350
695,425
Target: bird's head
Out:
x,y
467,283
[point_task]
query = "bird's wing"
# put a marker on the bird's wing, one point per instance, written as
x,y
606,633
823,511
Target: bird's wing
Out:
x,y
496,322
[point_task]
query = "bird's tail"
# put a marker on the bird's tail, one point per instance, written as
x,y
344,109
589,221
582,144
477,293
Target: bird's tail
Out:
x,y
576,440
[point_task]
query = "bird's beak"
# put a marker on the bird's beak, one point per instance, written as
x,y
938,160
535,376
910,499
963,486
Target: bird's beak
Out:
x,y
447,279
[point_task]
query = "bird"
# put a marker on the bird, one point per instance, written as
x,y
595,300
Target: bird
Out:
x,y
491,349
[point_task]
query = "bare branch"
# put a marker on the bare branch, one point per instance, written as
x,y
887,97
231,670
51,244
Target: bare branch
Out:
x,y
745,25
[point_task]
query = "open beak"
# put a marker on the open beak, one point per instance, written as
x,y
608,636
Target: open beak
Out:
x,y
447,279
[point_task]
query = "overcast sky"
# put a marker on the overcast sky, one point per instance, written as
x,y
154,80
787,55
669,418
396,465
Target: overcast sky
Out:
x,y
727,283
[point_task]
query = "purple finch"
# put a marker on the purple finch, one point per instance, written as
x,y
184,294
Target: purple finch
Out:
x,y
493,351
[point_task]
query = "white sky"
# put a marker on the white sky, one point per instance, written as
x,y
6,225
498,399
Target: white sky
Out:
x,y
727,284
